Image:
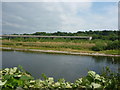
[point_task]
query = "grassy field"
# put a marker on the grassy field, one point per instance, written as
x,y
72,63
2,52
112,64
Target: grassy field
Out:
x,y
84,46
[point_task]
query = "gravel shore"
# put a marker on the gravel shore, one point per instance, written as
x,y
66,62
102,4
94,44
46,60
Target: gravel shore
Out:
x,y
59,52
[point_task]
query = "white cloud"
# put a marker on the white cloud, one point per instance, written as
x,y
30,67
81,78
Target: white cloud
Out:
x,y
51,17
68,14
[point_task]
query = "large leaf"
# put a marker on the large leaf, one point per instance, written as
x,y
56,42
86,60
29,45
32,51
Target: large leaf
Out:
x,y
26,78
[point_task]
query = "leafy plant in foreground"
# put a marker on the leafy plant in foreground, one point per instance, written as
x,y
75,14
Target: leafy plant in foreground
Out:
x,y
17,77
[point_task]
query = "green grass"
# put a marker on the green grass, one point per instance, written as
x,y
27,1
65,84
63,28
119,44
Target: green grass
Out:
x,y
113,52
87,46
52,45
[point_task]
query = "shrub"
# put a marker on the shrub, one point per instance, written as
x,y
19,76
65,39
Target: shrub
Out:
x,y
113,45
7,43
17,77
17,44
98,47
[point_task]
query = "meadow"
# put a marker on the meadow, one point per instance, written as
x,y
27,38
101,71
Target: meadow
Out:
x,y
59,44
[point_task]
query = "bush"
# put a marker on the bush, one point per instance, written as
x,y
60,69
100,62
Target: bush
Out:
x,y
17,44
7,43
98,47
17,77
113,45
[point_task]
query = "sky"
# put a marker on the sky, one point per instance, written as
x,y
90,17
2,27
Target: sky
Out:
x,y
30,17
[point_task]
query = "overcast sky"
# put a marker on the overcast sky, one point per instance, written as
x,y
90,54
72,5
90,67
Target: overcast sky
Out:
x,y
29,17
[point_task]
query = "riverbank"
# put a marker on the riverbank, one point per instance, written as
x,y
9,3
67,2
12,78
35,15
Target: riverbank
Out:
x,y
57,52
78,47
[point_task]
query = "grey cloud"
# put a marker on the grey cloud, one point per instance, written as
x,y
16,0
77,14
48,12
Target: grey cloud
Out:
x,y
29,17
32,15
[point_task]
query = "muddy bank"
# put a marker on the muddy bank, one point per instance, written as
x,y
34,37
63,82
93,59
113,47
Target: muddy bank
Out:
x,y
57,52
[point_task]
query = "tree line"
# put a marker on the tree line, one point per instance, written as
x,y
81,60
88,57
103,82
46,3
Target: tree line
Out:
x,y
104,35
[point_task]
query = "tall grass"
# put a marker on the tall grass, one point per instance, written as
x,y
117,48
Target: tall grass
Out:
x,y
64,44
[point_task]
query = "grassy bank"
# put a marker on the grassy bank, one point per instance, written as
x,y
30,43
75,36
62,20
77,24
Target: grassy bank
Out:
x,y
80,46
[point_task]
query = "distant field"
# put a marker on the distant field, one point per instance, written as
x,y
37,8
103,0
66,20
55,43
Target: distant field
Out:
x,y
70,46
88,46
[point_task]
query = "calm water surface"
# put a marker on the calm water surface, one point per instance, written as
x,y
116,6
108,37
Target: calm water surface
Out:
x,y
69,67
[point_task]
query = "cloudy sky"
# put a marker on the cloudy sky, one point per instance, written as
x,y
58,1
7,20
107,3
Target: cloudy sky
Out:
x,y
29,17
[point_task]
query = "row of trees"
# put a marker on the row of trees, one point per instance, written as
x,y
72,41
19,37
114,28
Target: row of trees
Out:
x,y
104,35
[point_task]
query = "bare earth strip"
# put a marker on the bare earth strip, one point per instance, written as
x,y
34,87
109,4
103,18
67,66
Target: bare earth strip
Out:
x,y
59,52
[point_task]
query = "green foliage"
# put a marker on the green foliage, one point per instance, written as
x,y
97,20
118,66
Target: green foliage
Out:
x,y
103,35
99,47
17,77
102,41
110,45
7,43
112,78
113,45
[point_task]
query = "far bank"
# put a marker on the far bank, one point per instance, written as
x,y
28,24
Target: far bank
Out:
x,y
84,47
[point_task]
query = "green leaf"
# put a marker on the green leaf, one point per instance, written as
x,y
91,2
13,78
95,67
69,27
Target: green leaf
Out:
x,y
26,78
44,76
6,77
91,74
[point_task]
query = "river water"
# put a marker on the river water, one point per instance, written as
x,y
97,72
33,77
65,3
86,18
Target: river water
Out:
x,y
70,67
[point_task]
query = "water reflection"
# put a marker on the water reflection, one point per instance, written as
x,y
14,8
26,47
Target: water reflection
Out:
x,y
58,66
110,60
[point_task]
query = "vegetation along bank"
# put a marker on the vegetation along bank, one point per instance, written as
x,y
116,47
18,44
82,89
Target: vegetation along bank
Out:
x,y
102,43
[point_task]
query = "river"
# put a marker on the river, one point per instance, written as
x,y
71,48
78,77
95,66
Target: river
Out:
x,y
70,67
